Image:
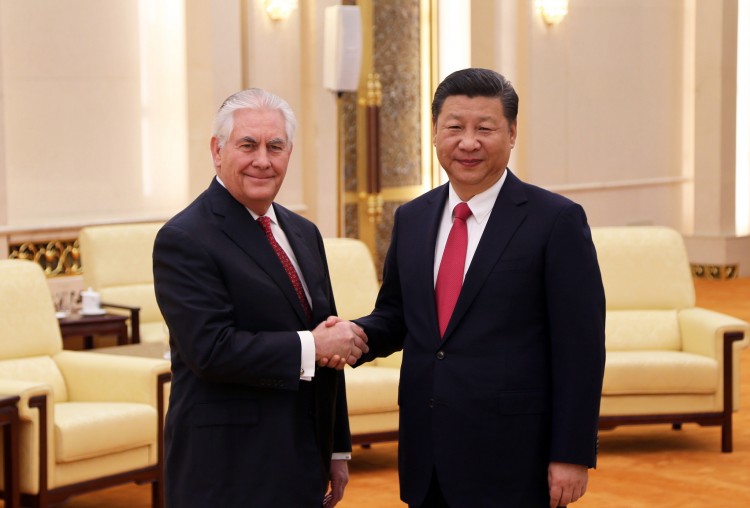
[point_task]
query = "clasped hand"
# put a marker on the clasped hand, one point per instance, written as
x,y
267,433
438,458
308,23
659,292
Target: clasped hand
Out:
x,y
338,342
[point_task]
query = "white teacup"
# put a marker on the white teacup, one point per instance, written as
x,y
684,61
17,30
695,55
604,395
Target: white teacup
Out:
x,y
90,302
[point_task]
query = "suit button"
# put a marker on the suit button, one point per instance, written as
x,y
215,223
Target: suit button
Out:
x,y
440,355
431,403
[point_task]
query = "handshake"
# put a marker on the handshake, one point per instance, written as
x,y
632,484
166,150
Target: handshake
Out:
x,y
338,342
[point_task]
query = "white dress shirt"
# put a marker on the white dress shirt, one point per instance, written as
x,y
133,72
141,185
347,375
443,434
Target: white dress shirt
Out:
x,y
481,207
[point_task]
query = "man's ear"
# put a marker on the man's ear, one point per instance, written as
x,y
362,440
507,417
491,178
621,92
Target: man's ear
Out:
x,y
216,152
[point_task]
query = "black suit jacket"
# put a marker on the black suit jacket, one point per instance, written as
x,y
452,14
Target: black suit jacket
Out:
x,y
516,381
242,429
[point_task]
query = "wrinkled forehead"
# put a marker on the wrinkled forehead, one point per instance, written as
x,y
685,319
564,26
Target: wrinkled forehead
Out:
x,y
259,123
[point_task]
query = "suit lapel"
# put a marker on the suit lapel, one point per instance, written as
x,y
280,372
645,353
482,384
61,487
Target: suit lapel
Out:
x,y
422,243
240,227
505,218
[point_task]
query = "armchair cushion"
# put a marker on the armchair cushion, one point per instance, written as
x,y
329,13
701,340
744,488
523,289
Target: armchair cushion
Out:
x,y
91,429
38,369
644,268
93,377
659,372
373,389
34,316
642,330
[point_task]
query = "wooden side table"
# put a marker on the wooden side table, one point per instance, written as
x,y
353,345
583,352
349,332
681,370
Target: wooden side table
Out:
x,y
78,325
9,422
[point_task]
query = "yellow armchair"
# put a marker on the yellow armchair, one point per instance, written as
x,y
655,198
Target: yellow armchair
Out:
x,y
88,420
372,389
117,263
668,361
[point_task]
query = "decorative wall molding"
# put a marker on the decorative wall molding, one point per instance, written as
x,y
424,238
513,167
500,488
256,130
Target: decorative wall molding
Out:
x,y
53,246
56,257
620,184
717,272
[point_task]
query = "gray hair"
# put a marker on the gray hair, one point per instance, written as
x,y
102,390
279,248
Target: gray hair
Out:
x,y
256,99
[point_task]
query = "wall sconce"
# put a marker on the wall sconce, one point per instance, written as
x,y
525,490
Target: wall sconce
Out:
x,y
552,11
279,10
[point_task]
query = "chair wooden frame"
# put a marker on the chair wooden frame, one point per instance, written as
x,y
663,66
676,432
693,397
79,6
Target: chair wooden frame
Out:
x,y
135,320
723,418
152,474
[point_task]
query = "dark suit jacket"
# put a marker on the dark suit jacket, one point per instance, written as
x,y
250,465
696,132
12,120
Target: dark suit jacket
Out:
x,y
242,429
516,381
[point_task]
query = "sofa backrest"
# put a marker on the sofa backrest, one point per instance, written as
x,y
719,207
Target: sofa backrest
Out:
x,y
117,263
28,326
644,267
355,283
647,280
29,331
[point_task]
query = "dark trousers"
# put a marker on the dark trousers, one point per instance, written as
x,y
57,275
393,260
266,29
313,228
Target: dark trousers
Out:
x,y
434,498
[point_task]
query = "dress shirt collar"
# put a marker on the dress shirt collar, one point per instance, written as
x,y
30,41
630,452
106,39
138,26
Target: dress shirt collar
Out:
x,y
481,204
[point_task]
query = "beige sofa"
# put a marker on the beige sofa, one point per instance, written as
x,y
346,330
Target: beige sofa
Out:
x,y
117,264
87,420
372,389
668,361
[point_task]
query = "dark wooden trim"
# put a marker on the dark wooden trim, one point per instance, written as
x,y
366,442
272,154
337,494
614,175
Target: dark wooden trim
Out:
x,y
90,326
10,423
374,437
157,489
135,320
41,499
722,418
726,428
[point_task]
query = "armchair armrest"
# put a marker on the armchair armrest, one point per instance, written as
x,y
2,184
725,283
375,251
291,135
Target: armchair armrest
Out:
x,y
96,377
703,331
135,319
26,390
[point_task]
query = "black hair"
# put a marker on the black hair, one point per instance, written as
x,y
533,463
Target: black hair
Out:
x,y
476,82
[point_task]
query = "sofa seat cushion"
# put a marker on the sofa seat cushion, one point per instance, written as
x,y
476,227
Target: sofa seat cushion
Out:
x,y
638,330
90,429
659,372
372,389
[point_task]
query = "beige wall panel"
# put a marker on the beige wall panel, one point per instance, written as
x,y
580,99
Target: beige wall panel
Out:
x,y
76,113
273,63
604,106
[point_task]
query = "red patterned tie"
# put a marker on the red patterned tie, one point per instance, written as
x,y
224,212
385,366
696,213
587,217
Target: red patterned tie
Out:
x,y
265,223
451,272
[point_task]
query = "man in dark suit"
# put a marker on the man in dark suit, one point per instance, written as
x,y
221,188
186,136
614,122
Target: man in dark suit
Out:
x,y
251,422
501,324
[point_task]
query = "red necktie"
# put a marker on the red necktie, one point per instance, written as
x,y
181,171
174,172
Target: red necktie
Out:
x,y
451,272
265,223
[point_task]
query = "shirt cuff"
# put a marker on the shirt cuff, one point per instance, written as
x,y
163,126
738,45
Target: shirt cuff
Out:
x,y
341,456
307,363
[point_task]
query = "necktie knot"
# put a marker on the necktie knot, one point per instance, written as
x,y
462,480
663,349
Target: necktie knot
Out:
x,y
265,223
462,211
